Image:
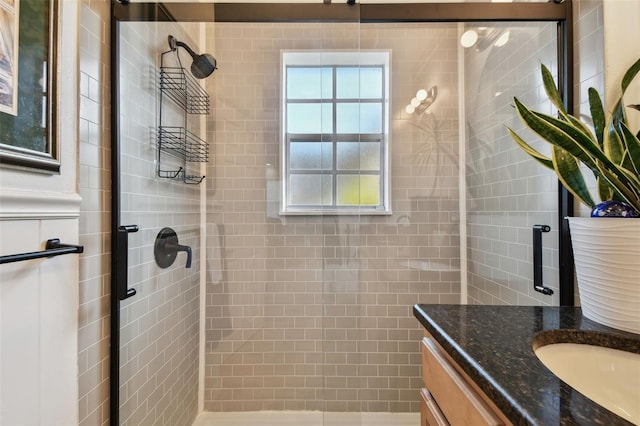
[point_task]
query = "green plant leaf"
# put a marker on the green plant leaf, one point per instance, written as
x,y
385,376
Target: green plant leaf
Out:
x,y
612,154
605,191
630,75
556,99
579,125
629,194
612,144
560,133
597,114
542,159
551,90
569,173
632,143
618,115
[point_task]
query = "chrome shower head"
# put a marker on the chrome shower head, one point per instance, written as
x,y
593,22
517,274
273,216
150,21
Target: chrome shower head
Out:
x,y
202,66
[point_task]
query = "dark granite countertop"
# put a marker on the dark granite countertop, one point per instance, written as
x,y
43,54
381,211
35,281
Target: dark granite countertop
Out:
x,y
494,346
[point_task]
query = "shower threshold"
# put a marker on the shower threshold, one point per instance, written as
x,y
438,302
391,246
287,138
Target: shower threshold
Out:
x,y
307,418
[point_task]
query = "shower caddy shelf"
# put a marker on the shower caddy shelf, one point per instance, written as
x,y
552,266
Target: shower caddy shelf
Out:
x,y
185,92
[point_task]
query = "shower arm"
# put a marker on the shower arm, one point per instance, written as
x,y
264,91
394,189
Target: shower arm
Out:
x,y
193,54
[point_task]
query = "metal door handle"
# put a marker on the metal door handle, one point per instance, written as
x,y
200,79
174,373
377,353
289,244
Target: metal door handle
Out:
x,y
122,261
538,285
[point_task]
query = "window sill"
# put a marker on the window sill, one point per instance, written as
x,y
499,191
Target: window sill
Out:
x,y
335,212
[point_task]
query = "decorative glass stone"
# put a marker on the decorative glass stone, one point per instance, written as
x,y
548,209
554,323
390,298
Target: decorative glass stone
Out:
x,y
614,208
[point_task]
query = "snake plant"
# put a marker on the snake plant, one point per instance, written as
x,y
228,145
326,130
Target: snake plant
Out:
x,y
611,151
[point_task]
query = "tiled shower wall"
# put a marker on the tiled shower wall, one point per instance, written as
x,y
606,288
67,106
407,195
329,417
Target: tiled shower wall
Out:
x,y
94,183
314,312
508,192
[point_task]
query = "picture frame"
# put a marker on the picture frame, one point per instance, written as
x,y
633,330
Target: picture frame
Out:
x,y
28,134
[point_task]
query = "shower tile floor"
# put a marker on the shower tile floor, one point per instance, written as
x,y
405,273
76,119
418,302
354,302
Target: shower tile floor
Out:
x,y
306,418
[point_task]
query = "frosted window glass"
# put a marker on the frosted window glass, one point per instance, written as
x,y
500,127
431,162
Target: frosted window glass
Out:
x,y
358,83
359,118
311,155
348,83
369,190
358,190
369,156
348,156
309,118
371,118
370,83
310,190
309,83
348,190
348,118
358,156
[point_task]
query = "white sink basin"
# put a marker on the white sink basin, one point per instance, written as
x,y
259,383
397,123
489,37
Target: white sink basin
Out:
x,y
609,377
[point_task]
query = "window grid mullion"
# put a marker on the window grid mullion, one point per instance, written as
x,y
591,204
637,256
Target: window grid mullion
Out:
x,y
333,137
334,141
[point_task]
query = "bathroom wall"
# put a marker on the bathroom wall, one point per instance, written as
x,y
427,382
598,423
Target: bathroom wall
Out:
x,y
39,297
94,185
314,312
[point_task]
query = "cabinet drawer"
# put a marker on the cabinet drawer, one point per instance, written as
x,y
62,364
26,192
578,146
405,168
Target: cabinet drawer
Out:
x,y
459,402
430,414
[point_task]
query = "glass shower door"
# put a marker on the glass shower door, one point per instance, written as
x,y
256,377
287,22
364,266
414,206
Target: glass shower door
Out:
x,y
313,311
506,192
158,239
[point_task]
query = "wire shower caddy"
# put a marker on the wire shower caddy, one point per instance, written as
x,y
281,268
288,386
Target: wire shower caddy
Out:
x,y
184,91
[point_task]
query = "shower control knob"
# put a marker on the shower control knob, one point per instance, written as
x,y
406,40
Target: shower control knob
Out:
x,y
166,248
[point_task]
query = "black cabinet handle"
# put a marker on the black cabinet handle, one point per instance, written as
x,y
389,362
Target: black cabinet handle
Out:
x,y
122,256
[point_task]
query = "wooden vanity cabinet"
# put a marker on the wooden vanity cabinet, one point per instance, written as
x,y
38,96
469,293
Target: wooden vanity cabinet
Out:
x,y
450,397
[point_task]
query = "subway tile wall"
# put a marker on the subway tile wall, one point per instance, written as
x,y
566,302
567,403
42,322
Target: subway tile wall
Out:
x,y
94,186
314,312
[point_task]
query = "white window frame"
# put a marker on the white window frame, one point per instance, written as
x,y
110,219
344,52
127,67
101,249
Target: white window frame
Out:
x,y
337,58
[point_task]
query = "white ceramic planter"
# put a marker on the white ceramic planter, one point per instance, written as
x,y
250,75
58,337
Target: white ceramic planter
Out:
x,y
607,258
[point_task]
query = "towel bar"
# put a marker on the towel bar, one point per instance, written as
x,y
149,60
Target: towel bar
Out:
x,y
53,248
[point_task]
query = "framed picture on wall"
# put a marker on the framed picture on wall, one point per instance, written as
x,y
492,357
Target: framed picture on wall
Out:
x,y
28,40
9,24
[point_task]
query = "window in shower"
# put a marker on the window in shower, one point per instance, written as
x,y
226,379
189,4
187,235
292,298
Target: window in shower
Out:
x,y
335,132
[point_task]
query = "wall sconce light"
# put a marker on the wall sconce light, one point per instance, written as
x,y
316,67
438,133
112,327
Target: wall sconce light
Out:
x,y
422,101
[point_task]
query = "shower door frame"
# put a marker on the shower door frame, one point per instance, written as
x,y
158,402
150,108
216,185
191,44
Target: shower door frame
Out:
x,y
559,11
